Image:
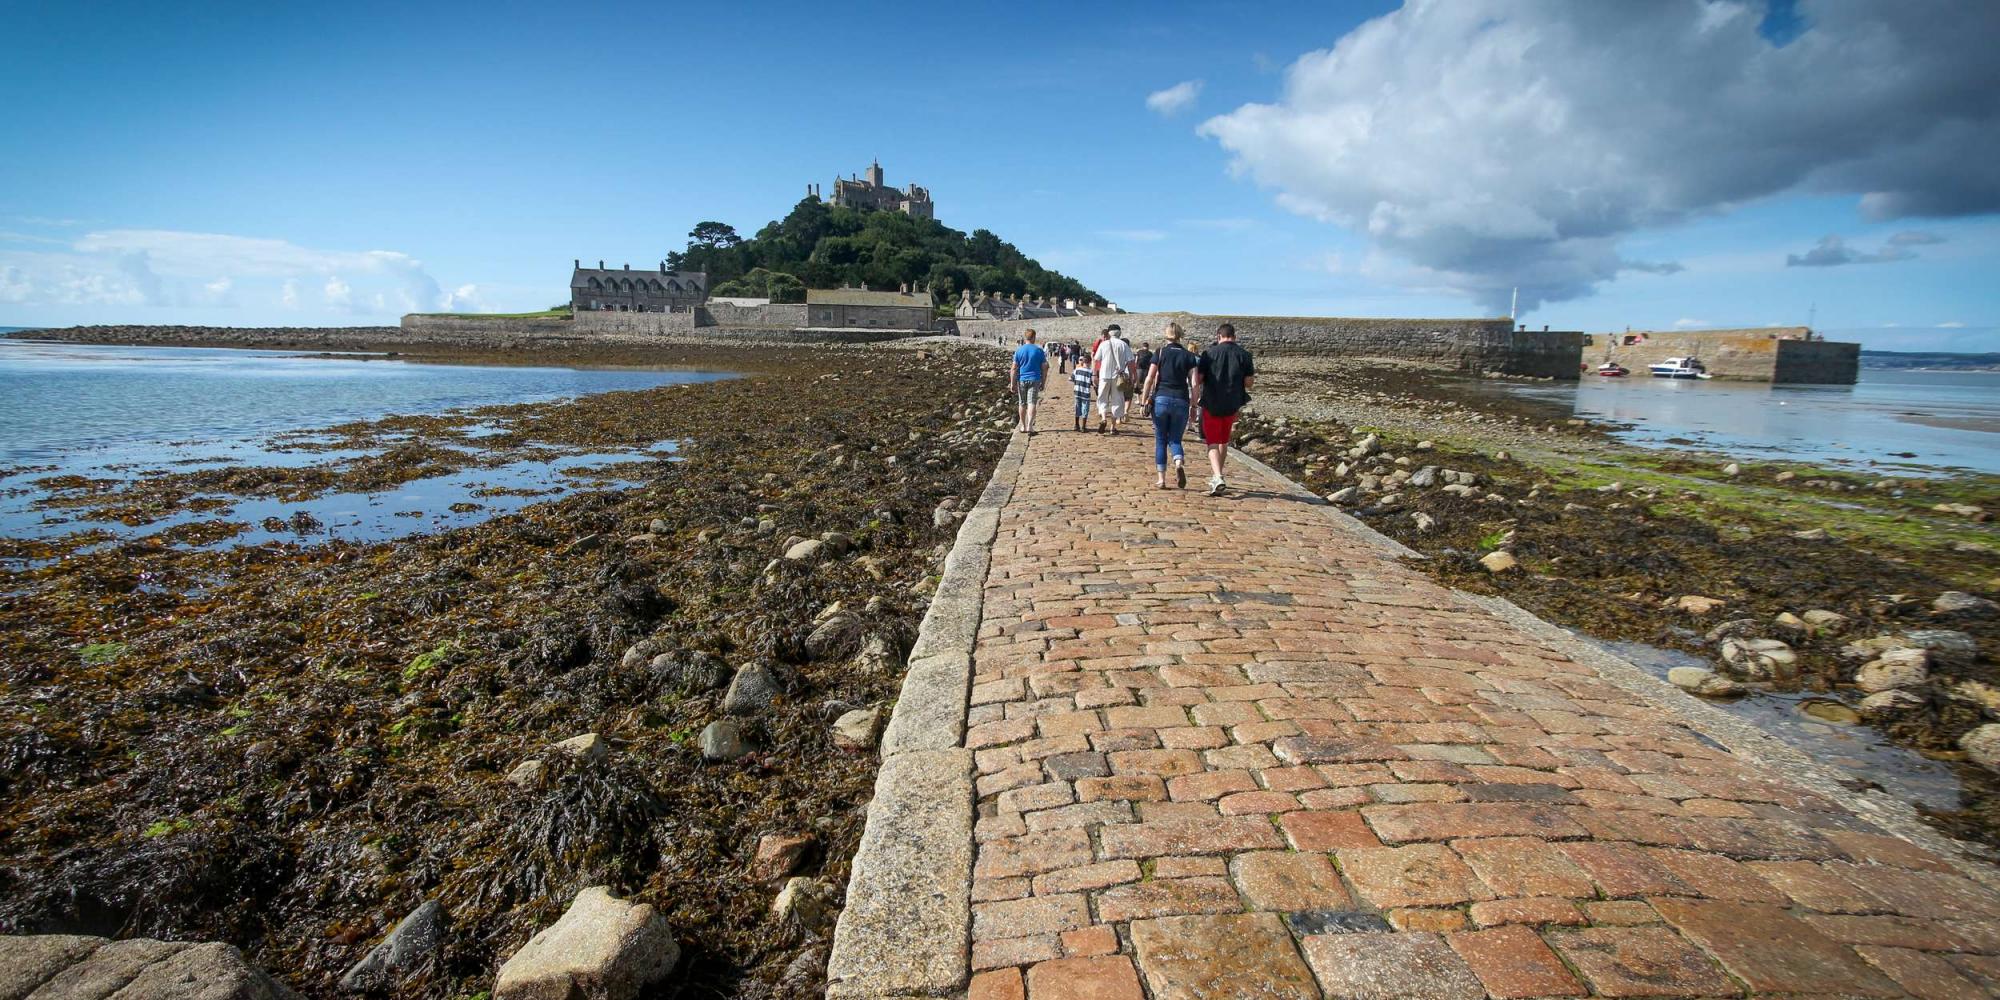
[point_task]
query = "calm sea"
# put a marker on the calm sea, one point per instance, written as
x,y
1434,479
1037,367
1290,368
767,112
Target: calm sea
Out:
x,y
125,412
1888,419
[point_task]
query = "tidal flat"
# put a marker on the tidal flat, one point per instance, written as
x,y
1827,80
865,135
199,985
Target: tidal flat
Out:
x,y
290,743
1675,551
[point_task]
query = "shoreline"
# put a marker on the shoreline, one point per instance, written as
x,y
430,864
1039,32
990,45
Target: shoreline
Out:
x,y
309,740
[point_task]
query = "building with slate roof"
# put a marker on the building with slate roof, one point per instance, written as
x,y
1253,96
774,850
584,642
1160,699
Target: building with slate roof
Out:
x,y
859,308
603,289
871,193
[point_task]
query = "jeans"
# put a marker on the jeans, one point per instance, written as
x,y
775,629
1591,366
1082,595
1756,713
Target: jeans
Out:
x,y
1170,417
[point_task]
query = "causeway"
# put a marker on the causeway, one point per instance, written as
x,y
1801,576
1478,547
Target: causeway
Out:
x,y
1236,747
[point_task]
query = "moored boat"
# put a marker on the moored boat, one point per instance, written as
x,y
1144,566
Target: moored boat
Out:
x,y
1678,368
1612,369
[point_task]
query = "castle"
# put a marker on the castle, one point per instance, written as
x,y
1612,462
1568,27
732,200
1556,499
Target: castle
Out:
x,y
856,192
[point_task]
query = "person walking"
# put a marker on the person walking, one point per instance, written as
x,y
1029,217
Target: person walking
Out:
x,y
1083,386
1113,364
1222,380
1031,364
1168,384
1142,362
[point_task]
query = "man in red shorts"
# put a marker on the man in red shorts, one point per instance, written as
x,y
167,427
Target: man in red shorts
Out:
x,y
1222,380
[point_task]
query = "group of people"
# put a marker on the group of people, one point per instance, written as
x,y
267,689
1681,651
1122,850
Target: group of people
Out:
x,y
1173,386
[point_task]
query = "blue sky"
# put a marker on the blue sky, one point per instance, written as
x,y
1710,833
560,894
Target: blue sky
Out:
x,y
268,164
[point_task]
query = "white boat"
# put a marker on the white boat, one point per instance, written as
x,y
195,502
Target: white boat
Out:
x,y
1678,368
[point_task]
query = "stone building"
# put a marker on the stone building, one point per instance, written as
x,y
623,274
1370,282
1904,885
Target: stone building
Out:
x,y
859,308
871,193
602,289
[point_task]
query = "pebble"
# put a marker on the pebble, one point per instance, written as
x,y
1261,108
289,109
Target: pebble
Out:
x,y
1955,602
723,740
1982,746
805,901
779,855
805,551
752,690
588,748
856,730
1759,659
415,936
1500,561
1896,668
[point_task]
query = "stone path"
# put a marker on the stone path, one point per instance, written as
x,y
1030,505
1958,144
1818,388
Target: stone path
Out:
x,y
1230,748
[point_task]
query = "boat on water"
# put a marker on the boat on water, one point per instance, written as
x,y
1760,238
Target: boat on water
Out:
x,y
1679,368
1612,369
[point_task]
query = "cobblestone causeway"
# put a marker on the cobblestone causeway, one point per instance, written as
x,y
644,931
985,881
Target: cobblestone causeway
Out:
x,y
1228,748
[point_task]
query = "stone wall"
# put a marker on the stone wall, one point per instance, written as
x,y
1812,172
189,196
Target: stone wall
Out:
x,y
1482,345
634,324
770,316
1775,354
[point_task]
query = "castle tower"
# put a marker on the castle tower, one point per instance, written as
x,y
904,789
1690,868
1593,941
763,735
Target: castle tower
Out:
x,y
875,173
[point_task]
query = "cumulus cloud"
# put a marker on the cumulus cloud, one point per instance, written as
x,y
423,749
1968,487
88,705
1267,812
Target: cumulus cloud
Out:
x,y
1832,251
1686,323
168,268
1495,145
1915,238
1174,99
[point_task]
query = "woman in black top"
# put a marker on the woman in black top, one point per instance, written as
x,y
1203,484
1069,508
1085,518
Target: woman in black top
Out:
x,y
1167,393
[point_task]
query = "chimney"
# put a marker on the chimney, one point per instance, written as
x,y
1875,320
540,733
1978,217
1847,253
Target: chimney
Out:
x,y
628,267
600,265
575,263
663,267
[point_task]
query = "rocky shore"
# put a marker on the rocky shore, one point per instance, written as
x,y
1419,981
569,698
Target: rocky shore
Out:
x,y
643,712
1876,592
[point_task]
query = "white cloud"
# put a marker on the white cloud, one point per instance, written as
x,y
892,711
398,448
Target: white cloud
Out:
x,y
1495,144
1952,325
1832,251
1174,99
1684,323
168,268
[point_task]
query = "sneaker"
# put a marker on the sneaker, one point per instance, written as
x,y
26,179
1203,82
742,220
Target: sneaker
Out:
x,y
1216,486
1180,475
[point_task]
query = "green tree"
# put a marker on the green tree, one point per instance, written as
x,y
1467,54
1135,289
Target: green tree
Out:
x,y
713,235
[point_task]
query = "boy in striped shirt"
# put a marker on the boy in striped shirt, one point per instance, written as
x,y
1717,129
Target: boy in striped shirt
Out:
x,y
1082,384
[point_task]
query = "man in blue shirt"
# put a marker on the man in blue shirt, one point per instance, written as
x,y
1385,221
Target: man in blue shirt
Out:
x,y
1031,363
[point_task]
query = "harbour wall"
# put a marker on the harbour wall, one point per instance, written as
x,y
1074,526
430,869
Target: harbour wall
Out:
x,y
1476,345
1773,354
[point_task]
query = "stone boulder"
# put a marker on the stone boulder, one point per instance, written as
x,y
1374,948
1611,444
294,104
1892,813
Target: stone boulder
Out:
x,y
1703,681
1946,646
603,948
1958,602
806,551
1697,605
878,655
831,637
752,690
415,936
856,730
1737,628
1821,620
588,748
1890,703
1759,659
1982,746
1498,561
63,965
779,855
807,902
723,741
1897,668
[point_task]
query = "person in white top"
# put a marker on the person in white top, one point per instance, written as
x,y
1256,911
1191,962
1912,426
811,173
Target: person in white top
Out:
x,y
1113,362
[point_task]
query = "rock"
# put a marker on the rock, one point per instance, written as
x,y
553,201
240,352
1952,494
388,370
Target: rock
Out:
x,y
639,652
832,637
1759,659
878,655
1961,509
1736,628
805,901
1422,521
805,551
603,948
1696,605
1369,483
1424,477
942,517
1732,469
1425,446
415,936
838,543
1863,650
751,690
643,539
1947,647
1811,535
1897,668
696,670
1891,702
1785,477
526,774
1829,711
1820,620
587,748
1957,602
1972,548
1703,681
1368,446
767,527
1985,695
1343,496
658,526
1982,746
723,740
1498,561
1791,622
856,730
779,855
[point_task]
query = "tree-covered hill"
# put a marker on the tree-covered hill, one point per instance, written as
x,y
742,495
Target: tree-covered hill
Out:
x,y
825,246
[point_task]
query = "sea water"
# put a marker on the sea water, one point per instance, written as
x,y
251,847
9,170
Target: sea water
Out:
x,y
1890,421
118,413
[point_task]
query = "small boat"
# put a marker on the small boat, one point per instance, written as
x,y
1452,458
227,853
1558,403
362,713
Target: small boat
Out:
x,y
1612,369
1678,368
